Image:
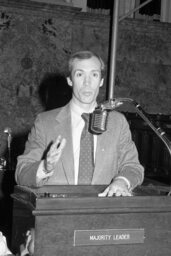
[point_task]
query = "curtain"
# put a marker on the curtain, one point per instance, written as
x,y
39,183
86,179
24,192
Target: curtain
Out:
x,y
102,6
126,6
99,4
151,8
165,11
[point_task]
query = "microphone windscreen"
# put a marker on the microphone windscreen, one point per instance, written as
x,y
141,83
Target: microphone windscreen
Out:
x,y
98,121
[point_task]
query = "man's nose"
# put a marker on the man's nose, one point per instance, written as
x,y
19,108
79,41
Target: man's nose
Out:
x,y
86,80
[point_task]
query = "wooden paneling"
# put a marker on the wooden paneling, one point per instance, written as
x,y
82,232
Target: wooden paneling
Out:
x,y
61,210
153,154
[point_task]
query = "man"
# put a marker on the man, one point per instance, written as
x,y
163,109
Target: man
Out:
x,y
52,151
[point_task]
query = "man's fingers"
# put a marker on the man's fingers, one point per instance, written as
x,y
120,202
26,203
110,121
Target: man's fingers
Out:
x,y
57,147
109,192
119,193
54,153
62,145
104,193
56,144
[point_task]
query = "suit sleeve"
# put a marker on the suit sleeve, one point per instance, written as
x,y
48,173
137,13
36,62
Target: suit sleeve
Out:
x,y
128,162
28,163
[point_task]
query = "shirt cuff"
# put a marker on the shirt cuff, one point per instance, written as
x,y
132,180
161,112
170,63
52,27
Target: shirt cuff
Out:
x,y
125,179
41,174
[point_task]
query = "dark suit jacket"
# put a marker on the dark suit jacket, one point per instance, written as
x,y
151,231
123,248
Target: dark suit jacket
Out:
x,y
116,153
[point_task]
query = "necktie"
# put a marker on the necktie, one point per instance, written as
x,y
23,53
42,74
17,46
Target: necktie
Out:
x,y
86,160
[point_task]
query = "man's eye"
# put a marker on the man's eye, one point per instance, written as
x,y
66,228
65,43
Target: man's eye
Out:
x,y
79,74
95,74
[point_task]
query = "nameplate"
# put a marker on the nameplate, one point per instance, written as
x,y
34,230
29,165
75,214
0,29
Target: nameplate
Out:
x,y
108,236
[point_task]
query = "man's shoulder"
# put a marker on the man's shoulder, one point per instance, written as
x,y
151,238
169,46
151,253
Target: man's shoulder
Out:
x,y
117,118
117,115
52,113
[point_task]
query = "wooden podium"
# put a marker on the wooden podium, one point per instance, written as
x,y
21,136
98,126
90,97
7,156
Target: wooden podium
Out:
x,y
74,221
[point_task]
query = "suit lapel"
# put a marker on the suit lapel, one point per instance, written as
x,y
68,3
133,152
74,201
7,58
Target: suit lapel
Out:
x,y
64,127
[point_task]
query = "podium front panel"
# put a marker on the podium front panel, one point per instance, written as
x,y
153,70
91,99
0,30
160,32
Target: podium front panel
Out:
x,y
73,220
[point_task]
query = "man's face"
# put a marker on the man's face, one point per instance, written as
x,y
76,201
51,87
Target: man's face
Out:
x,y
85,80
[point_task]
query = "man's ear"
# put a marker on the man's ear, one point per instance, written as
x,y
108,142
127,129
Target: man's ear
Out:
x,y
69,81
101,82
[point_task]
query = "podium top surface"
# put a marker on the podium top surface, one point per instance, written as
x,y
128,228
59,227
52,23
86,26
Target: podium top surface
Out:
x,y
67,199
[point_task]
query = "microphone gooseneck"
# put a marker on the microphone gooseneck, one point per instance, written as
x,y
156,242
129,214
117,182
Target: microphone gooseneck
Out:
x,y
98,123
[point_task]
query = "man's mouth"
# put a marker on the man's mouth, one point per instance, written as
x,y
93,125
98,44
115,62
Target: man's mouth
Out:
x,y
87,93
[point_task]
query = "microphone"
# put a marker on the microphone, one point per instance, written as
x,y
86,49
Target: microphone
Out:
x,y
8,131
98,121
99,118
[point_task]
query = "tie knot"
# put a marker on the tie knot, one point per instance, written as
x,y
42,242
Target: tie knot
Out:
x,y
86,117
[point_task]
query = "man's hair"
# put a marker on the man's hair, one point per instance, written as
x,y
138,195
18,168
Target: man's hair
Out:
x,y
82,55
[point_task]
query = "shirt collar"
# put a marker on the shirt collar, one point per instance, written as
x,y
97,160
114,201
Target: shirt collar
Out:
x,y
78,110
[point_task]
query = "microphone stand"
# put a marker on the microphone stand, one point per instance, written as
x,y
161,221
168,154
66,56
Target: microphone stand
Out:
x,y
98,123
8,131
114,103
